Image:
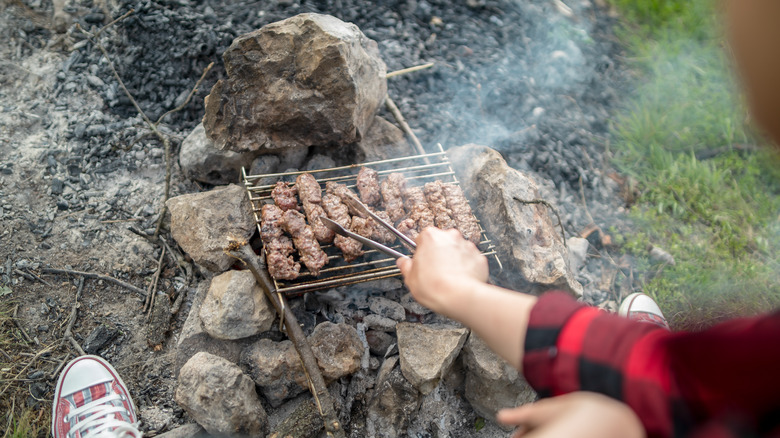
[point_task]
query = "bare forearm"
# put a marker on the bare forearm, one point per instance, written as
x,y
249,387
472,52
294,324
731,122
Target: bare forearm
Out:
x,y
498,316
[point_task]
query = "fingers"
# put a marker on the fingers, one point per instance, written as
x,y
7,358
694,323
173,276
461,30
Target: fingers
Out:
x,y
531,414
404,264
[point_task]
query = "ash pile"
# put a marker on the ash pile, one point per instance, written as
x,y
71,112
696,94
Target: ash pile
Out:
x,y
393,367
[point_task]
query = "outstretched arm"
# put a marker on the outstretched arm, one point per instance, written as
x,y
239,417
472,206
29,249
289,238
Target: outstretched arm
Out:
x,y
449,276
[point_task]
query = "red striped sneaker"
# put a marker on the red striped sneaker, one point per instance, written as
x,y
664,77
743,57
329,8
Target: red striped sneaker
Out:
x,y
640,307
91,400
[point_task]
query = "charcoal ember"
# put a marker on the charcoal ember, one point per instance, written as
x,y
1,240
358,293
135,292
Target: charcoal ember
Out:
x,y
329,96
99,338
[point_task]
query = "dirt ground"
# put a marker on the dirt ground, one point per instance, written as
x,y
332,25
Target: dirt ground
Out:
x,y
78,168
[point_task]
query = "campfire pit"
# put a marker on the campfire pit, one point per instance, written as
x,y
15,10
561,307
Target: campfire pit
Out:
x,y
373,265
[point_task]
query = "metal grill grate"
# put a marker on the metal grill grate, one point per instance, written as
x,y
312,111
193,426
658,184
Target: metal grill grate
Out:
x,y
373,265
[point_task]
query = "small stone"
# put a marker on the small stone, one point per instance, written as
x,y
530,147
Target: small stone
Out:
x,y
204,223
57,186
377,322
202,161
338,349
379,342
387,308
412,306
578,252
384,141
428,352
394,403
187,431
220,397
235,307
95,81
276,369
491,382
194,338
319,161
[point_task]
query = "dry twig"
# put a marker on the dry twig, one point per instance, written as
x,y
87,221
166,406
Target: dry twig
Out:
x,y
116,281
152,289
404,71
405,126
318,388
68,335
26,337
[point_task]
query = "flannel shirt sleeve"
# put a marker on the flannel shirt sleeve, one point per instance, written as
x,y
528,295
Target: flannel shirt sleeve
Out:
x,y
571,347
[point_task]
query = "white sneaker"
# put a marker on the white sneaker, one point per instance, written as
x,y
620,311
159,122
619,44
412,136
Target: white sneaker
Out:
x,y
642,308
91,400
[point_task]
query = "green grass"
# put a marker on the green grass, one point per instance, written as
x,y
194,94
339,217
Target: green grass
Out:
x,y
17,420
717,215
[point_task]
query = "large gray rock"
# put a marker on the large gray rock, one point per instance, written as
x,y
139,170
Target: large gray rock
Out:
x,y
202,161
392,406
529,239
277,369
220,397
235,307
204,223
383,141
491,382
194,338
428,352
308,80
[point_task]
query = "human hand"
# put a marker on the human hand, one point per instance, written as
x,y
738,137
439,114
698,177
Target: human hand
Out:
x,y
578,414
444,263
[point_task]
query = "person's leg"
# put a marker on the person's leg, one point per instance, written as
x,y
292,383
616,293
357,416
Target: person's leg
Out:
x,y
640,307
92,400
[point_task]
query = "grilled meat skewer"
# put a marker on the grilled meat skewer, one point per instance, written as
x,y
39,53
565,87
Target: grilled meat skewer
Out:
x,y
368,186
461,212
285,196
303,236
311,197
339,213
438,205
278,247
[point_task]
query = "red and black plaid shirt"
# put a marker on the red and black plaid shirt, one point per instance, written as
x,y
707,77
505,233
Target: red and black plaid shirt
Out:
x,y
722,382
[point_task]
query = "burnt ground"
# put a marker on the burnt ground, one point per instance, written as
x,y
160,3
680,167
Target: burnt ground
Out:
x,y
78,168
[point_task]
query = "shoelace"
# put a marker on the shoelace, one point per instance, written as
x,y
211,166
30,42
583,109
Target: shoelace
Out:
x,y
99,417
